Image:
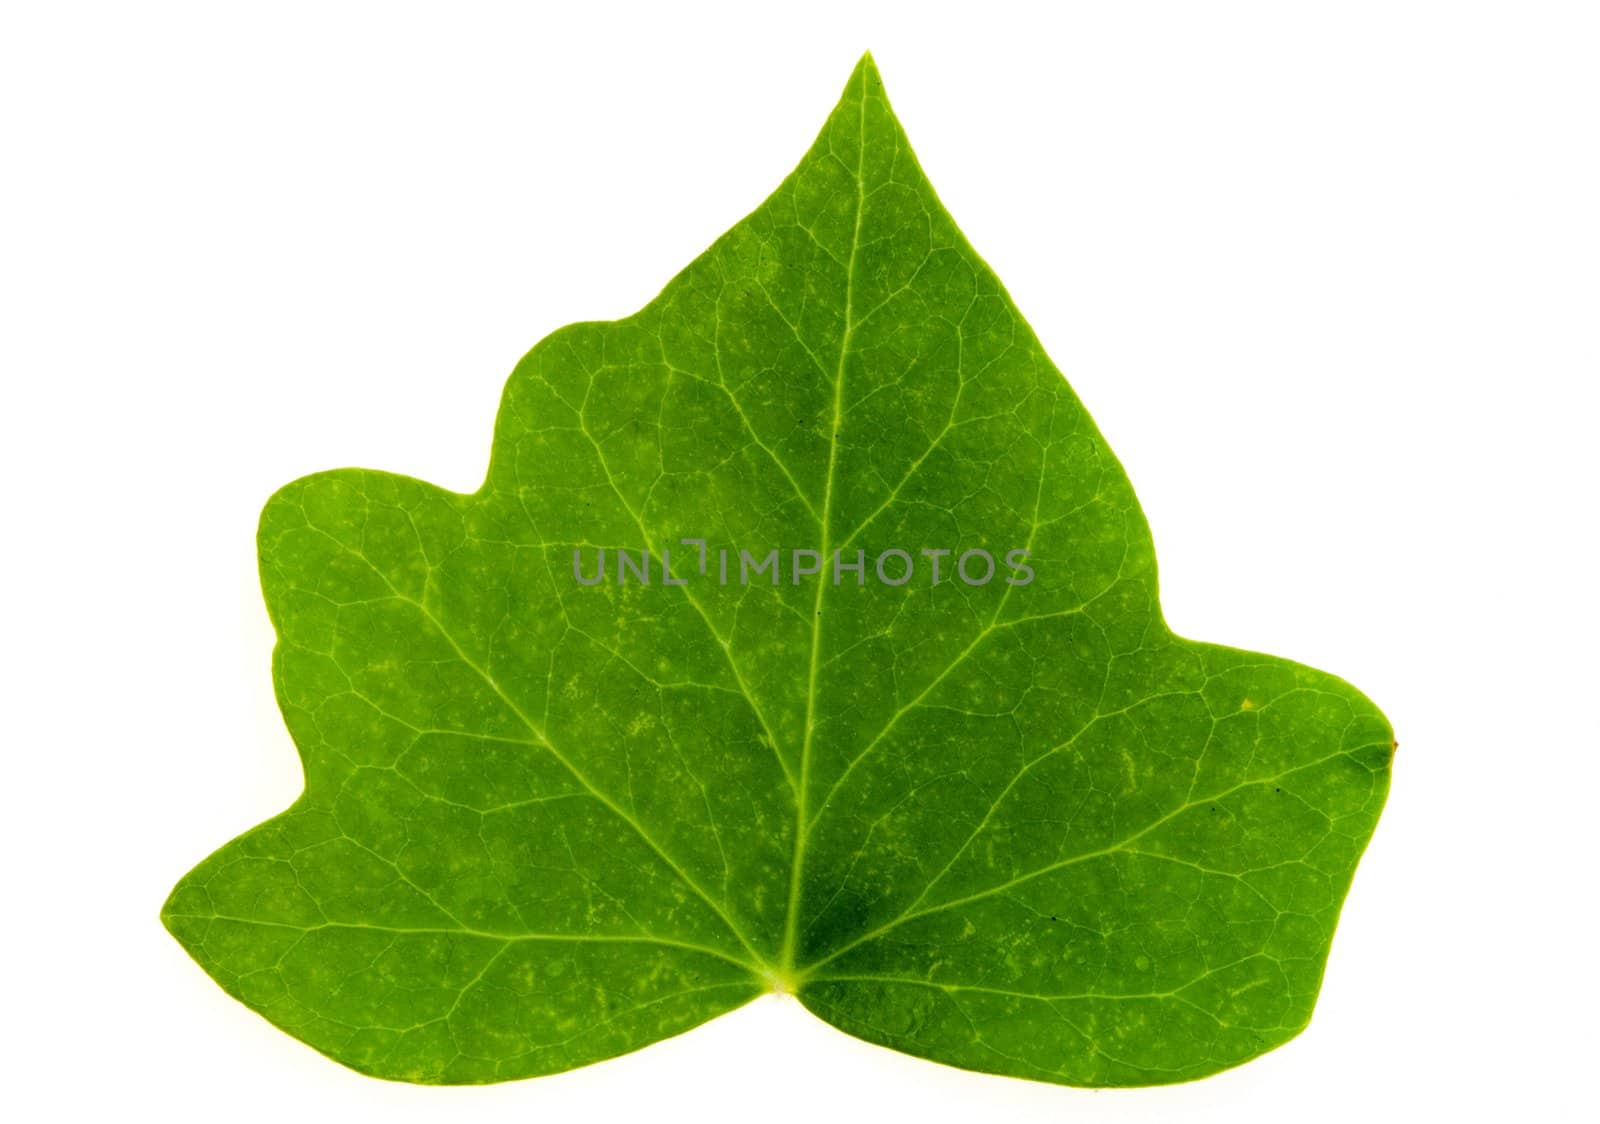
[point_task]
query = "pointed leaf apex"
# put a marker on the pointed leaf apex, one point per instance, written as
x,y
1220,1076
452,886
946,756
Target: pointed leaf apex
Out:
x,y
866,73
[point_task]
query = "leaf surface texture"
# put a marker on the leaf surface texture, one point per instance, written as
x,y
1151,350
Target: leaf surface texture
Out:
x,y
1020,828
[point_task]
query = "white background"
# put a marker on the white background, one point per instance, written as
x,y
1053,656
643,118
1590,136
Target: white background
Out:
x,y
1328,276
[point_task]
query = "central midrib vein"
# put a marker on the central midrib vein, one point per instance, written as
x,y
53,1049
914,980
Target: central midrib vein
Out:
x,y
786,964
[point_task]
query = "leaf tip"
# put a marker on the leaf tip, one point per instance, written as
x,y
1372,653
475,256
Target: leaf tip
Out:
x,y
866,70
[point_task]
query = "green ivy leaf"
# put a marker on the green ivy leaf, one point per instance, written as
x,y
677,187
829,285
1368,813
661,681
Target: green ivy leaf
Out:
x,y
1014,825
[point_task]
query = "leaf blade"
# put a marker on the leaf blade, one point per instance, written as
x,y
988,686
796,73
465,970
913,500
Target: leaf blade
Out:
x,y
925,807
